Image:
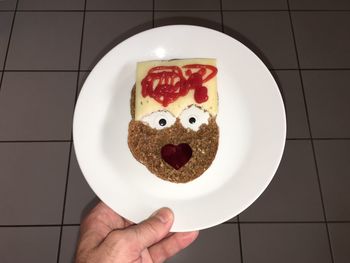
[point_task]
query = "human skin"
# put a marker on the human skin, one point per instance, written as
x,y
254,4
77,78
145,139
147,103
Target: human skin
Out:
x,y
106,237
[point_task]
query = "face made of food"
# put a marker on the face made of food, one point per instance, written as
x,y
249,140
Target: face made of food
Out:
x,y
176,139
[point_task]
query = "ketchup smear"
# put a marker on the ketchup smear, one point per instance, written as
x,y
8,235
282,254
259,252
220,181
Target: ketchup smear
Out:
x,y
166,84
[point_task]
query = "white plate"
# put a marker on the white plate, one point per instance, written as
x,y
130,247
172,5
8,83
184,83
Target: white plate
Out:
x,y
251,119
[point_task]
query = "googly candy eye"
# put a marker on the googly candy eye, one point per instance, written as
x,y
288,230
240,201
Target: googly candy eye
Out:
x,y
159,120
193,117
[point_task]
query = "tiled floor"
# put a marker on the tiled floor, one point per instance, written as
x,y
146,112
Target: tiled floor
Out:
x,y
48,47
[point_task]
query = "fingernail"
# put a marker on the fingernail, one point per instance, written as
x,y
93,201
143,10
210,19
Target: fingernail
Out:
x,y
164,215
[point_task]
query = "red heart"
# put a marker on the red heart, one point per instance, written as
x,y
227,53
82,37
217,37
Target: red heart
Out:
x,y
176,155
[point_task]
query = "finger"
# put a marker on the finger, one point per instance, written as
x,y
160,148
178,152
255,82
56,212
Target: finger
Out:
x,y
153,229
131,242
171,245
146,257
128,223
169,234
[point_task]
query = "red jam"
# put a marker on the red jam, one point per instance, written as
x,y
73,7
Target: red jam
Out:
x,y
166,84
176,155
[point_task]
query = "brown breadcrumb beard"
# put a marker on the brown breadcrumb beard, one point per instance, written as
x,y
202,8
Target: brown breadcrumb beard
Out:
x,y
145,143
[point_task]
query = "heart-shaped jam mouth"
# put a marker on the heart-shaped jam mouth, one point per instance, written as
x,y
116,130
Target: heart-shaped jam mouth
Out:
x,y
176,155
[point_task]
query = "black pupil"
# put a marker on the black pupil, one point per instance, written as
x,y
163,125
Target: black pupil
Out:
x,y
192,120
162,122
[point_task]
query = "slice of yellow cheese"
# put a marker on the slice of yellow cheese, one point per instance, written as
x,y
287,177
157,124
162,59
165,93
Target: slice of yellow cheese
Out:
x,y
146,105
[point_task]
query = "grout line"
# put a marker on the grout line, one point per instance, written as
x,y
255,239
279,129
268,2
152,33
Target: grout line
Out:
x,y
71,143
338,222
318,139
283,10
329,139
310,132
222,18
300,75
50,11
282,222
227,10
179,10
8,43
64,205
89,70
77,11
46,70
280,69
70,140
305,69
298,139
240,238
226,223
309,69
153,6
39,225
35,141
321,195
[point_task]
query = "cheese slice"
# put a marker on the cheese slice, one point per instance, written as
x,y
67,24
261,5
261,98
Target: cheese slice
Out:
x,y
146,105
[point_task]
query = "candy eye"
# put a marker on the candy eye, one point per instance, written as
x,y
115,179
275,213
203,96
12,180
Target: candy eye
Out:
x,y
162,122
159,120
192,120
193,117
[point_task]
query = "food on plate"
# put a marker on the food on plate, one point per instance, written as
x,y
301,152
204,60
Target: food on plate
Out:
x,y
174,105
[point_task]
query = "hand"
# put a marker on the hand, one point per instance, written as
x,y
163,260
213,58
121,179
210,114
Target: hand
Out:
x,y
106,237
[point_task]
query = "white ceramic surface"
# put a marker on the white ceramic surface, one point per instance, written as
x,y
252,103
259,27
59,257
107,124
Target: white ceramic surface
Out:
x,y
251,119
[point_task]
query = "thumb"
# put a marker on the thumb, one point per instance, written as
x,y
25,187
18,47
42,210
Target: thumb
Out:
x,y
154,229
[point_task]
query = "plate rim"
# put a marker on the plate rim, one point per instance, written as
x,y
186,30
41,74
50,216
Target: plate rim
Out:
x,y
275,165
